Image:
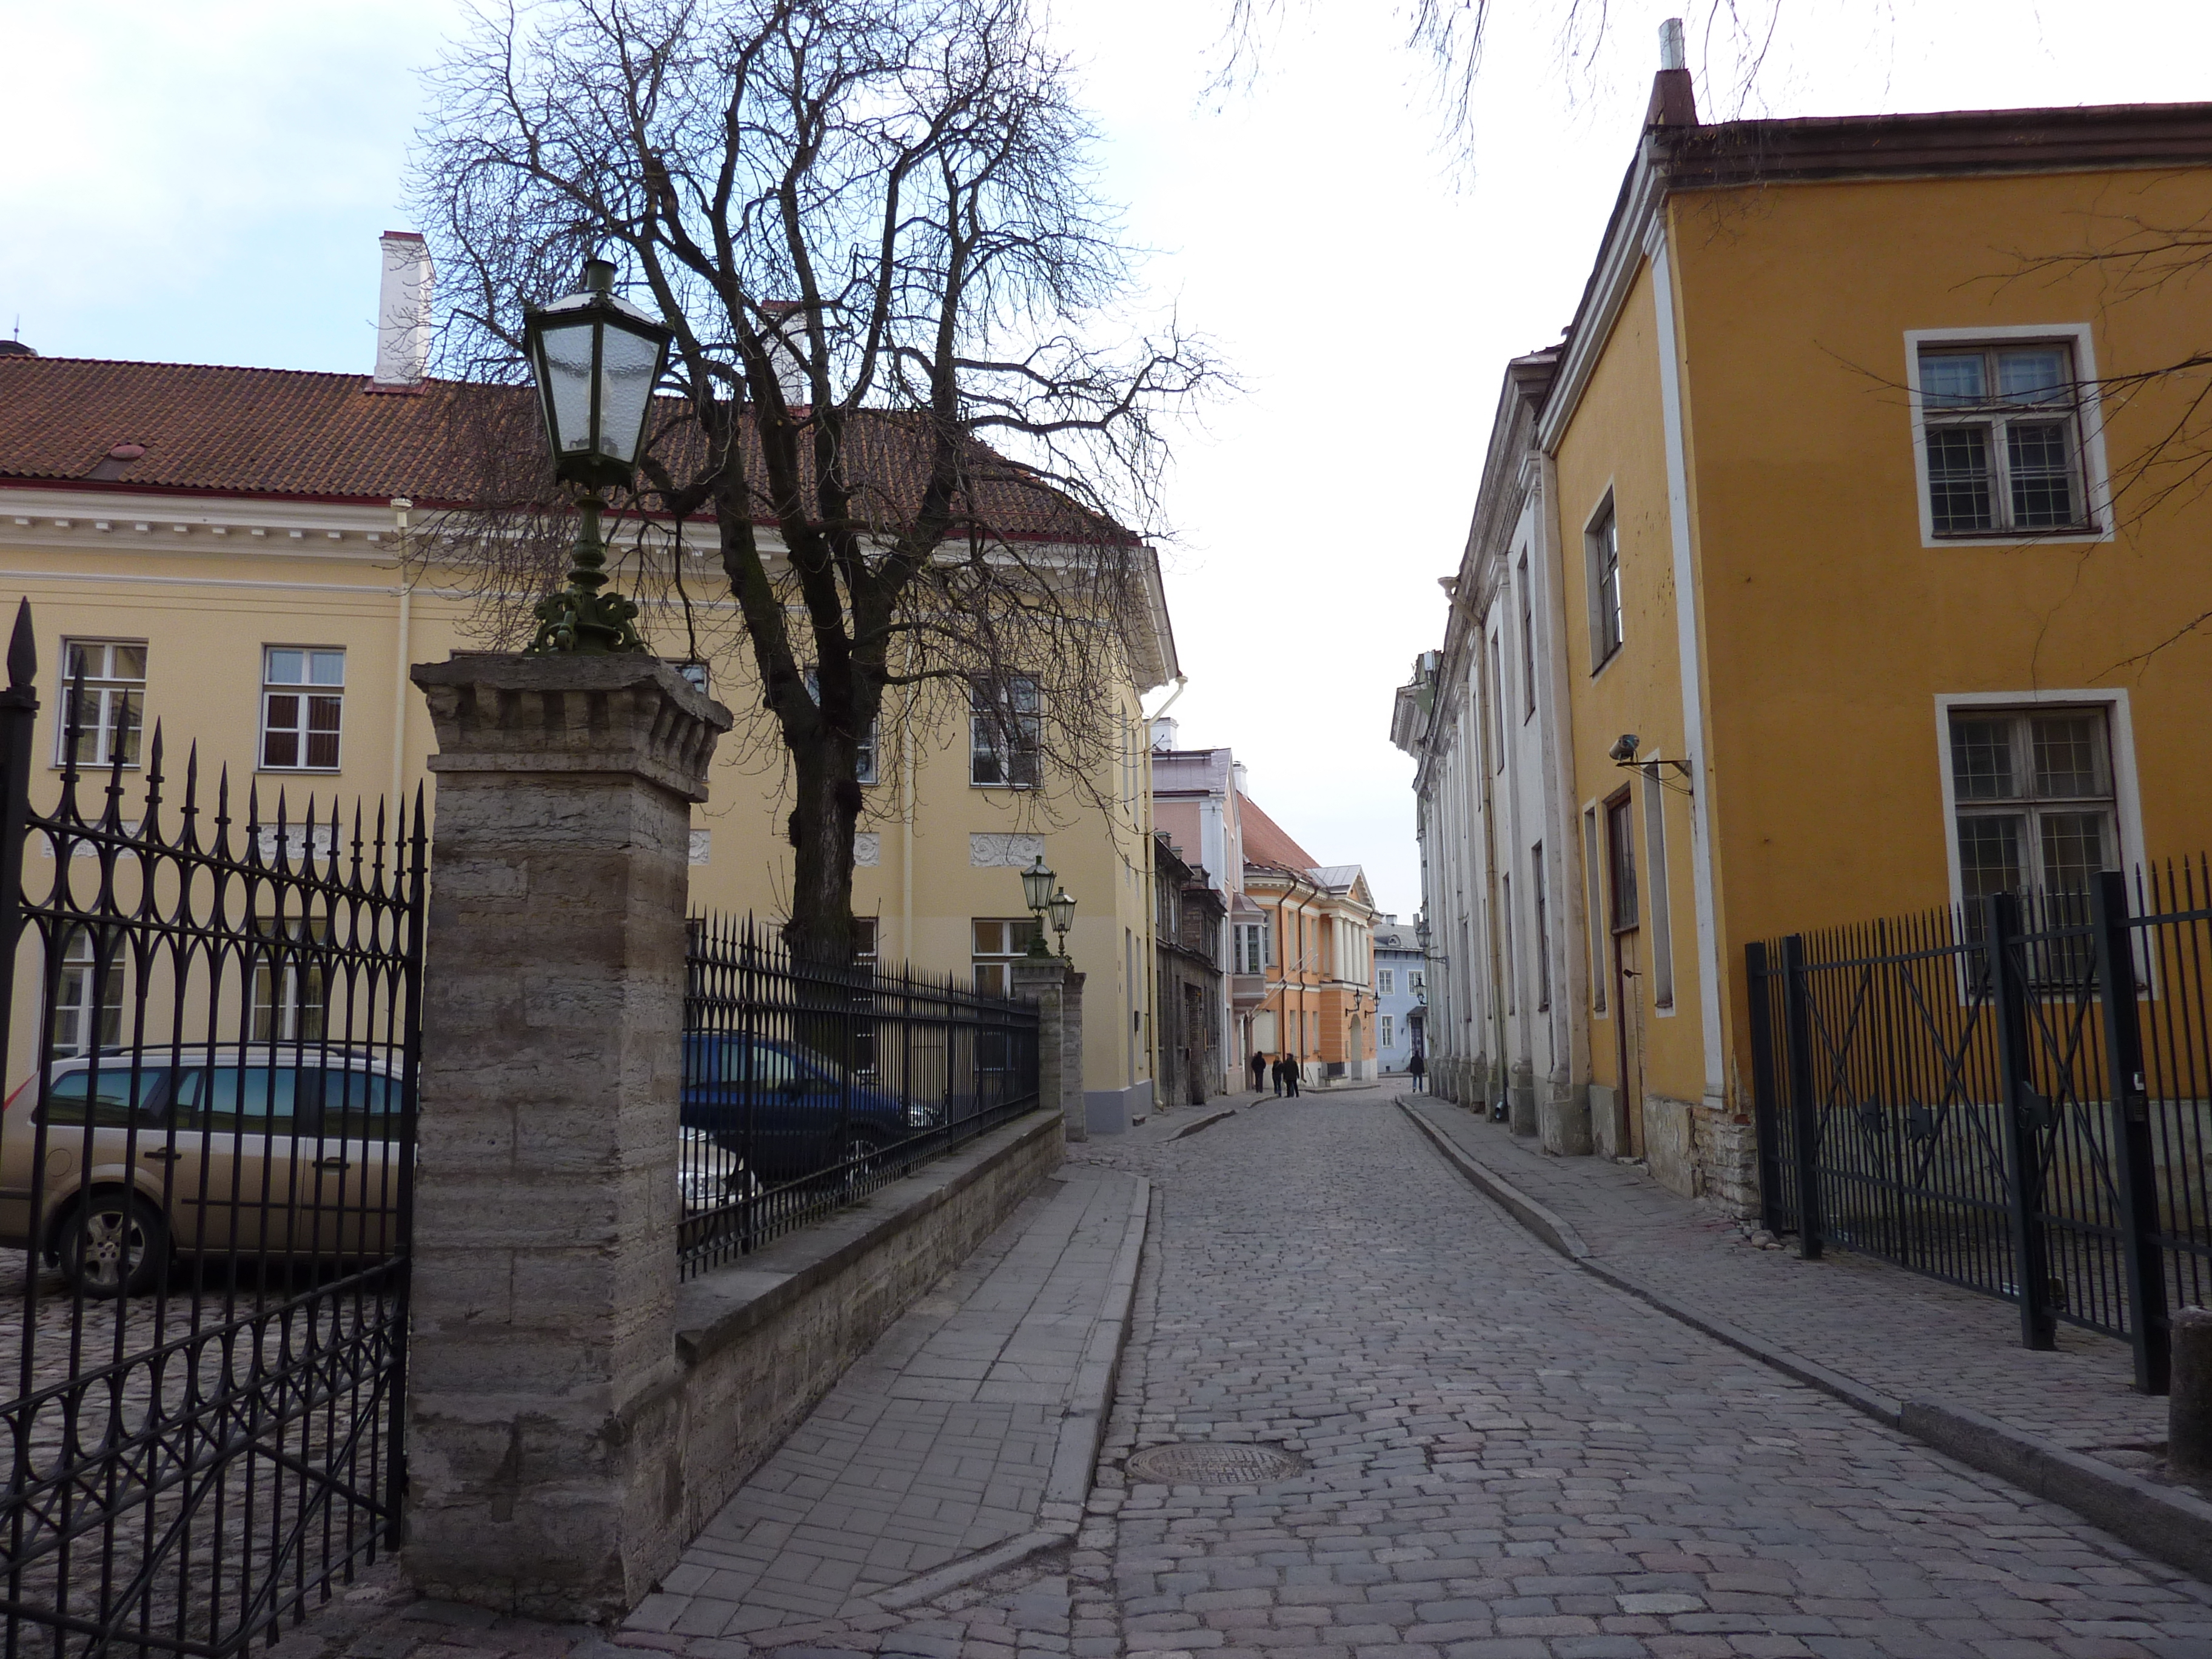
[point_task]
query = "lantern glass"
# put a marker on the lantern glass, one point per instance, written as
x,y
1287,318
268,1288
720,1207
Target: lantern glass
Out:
x,y
1036,883
629,364
564,383
1063,911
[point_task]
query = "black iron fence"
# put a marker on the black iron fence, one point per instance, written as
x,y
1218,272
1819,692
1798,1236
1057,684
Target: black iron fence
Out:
x,y
2015,1097
807,1086
204,1192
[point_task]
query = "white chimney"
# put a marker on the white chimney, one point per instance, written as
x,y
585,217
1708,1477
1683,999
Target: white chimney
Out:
x,y
403,311
1671,54
1164,735
786,335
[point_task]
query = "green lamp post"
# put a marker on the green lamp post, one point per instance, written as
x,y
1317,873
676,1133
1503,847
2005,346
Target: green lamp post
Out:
x,y
1063,918
597,360
1036,892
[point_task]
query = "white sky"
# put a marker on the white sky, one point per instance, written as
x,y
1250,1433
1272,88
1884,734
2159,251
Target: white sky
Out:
x,y
204,182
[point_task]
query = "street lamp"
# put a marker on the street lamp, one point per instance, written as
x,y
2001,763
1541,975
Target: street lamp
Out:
x,y
1036,892
1063,918
597,360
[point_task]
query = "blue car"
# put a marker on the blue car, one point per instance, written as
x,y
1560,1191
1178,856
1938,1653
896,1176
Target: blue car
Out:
x,y
789,1112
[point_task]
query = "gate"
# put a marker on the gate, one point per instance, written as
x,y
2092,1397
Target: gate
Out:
x,y
204,1192
2012,1097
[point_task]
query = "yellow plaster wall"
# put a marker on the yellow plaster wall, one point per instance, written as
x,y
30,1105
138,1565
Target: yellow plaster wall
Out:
x,y
1616,440
206,608
1829,627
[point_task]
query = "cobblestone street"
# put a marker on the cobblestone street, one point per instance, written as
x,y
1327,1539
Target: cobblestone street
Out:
x,y
1503,1458
1509,1460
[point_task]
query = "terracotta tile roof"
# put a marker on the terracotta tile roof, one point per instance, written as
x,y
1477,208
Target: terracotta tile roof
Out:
x,y
1265,842
265,432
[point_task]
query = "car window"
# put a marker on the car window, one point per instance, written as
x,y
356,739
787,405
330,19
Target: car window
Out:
x,y
359,1106
109,1098
254,1100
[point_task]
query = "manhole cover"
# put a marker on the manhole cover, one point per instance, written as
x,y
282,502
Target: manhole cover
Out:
x,y
1212,1466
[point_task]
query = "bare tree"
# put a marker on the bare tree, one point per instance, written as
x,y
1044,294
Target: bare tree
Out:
x,y
873,226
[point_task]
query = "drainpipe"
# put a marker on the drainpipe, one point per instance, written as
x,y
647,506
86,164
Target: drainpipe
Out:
x,y
401,507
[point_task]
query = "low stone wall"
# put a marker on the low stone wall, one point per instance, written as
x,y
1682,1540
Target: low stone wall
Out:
x,y
759,1343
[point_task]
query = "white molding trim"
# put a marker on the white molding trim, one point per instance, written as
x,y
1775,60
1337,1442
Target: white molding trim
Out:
x,y
1690,660
2126,804
1642,193
2096,478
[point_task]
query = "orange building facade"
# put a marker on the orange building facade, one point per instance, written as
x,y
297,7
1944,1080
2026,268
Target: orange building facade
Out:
x,y
1313,949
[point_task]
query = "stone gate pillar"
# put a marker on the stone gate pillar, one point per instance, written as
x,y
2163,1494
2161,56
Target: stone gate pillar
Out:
x,y
542,1478
1057,989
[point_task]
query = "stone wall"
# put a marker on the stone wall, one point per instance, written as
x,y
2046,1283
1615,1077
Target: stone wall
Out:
x,y
759,1343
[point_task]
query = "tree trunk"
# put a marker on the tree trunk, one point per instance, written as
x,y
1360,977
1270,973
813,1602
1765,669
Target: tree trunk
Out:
x,y
827,807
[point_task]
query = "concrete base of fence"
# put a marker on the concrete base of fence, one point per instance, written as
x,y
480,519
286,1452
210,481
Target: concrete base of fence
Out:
x,y
759,1343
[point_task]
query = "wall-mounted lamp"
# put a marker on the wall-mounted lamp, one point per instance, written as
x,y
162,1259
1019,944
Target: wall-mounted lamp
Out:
x,y
1623,754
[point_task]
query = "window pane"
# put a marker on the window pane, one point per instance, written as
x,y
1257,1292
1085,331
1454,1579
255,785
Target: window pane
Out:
x,y
257,1100
2073,849
327,667
1948,379
2035,375
1988,854
111,1097
2069,755
2042,482
286,668
280,742
1959,477
1981,757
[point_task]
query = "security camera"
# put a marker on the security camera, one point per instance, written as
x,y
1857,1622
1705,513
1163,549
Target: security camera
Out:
x,y
1624,748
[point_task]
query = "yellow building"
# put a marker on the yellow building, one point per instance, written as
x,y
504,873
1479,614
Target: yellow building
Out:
x,y
219,549
1851,554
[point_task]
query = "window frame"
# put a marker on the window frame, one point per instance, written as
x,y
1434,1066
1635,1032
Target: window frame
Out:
x,y
1528,643
1596,904
99,754
999,962
2119,741
2088,411
1658,904
306,691
989,723
1596,546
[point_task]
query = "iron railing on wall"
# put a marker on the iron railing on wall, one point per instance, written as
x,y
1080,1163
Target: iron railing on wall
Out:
x,y
808,1085
203,1194
2015,1097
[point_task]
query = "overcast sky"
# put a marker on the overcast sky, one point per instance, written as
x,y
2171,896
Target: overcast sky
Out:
x,y
204,182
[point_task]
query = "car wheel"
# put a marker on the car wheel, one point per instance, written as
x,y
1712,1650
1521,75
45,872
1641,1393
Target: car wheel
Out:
x,y
860,1155
115,1245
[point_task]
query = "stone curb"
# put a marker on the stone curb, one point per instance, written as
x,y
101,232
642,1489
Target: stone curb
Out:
x,y
1553,1231
1205,1122
1082,1431
2174,1526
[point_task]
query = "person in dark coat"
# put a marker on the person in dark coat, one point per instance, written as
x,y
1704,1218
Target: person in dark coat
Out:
x,y
1275,1072
1417,1068
1289,1077
1259,1070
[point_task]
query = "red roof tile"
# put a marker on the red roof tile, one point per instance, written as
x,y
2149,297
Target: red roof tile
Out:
x,y
1265,842
264,432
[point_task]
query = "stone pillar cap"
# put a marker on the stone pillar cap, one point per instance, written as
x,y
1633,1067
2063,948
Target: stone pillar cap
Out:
x,y
497,711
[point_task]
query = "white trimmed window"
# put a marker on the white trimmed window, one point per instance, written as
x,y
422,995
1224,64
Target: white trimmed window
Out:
x,y
1251,947
2001,429
303,707
1004,732
87,1012
2033,794
1385,981
864,764
998,945
1601,556
110,711
1389,1036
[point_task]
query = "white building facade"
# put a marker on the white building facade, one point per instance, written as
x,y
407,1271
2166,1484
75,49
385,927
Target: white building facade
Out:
x,y
1501,888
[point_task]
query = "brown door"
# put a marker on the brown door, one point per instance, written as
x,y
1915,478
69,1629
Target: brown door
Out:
x,y
1627,968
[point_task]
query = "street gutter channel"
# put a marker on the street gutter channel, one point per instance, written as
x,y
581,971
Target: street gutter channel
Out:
x,y
2172,1526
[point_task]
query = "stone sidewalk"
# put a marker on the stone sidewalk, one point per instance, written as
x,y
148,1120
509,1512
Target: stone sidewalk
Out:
x,y
940,1445
1897,1335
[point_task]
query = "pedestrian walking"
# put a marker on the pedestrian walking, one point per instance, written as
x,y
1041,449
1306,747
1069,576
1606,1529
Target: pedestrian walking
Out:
x,y
1275,1074
1259,1071
1290,1077
1417,1068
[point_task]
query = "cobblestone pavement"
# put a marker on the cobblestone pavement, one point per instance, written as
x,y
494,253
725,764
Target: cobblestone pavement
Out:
x,y
937,1445
1506,1458
1896,1333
